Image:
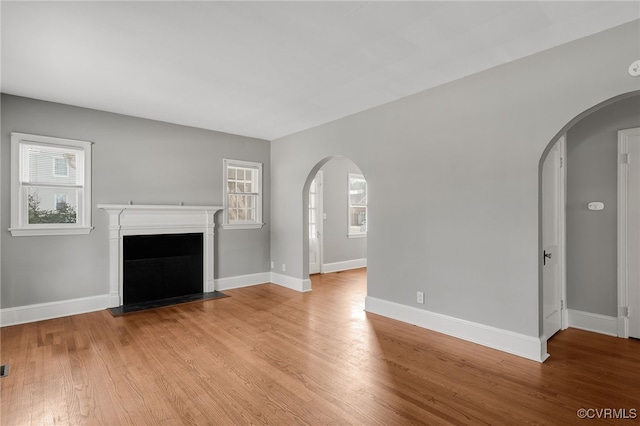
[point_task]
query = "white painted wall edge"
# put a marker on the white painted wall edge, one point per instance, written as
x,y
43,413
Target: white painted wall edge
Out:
x,y
597,323
45,311
532,348
222,284
291,282
344,265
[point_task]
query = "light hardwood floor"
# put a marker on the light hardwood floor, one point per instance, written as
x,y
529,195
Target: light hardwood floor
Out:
x,y
269,355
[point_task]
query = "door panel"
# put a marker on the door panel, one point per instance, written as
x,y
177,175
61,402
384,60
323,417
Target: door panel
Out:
x,y
551,290
315,225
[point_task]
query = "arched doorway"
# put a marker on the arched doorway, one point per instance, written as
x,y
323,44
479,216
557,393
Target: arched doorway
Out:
x,y
583,207
334,217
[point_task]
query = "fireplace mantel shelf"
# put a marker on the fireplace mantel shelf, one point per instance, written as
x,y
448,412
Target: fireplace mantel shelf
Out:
x,y
167,207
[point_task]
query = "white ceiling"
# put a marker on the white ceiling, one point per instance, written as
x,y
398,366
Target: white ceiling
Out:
x,y
269,69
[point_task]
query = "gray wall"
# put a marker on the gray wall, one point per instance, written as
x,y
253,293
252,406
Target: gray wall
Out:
x,y
471,150
142,160
592,175
337,246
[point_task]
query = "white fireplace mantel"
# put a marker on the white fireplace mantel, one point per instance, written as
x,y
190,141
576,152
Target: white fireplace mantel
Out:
x,y
150,219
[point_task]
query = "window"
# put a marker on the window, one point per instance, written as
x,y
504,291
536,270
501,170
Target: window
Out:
x,y
50,185
60,201
60,167
243,194
357,206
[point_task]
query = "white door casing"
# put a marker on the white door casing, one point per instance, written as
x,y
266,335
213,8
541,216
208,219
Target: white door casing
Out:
x,y
315,224
629,233
553,240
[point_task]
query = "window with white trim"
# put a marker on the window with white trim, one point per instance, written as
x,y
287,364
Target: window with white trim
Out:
x,y
242,194
50,185
357,205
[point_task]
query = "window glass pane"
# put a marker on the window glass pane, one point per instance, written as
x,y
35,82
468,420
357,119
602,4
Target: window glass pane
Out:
x,y
60,167
51,165
233,214
52,205
250,214
231,173
241,214
239,187
240,174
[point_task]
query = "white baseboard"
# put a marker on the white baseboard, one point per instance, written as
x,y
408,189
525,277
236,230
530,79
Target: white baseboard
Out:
x,y
507,341
222,284
291,282
344,265
593,322
45,311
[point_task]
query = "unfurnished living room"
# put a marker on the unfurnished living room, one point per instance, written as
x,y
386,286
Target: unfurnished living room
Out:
x,y
299,212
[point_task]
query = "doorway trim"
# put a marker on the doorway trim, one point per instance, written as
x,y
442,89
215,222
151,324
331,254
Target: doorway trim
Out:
x,y
623,231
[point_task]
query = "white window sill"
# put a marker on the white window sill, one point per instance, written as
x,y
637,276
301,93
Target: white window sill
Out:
x,y
34,232
242,225
363,235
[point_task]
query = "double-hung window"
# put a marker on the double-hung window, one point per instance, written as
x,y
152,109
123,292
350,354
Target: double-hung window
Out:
x,y
243,194
50,185
357,206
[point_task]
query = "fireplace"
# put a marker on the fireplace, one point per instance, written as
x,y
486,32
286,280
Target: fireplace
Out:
x,y
159,251
161,266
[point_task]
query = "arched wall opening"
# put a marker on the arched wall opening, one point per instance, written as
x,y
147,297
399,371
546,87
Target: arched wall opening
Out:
x,y
572,125
341,251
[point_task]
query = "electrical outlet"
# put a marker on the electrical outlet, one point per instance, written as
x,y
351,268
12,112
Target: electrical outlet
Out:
x,y
272,265
420,298
284,267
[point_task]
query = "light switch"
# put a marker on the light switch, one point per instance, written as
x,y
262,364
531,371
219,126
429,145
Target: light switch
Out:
x,y
596,205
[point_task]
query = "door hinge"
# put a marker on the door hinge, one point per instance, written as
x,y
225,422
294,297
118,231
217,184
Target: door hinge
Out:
x,y
561,162
624,158
562,305
624,311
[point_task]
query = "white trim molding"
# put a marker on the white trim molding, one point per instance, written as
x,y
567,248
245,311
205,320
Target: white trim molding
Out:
x,y
291,282
344,265
239,281
597,323
532,348
45,311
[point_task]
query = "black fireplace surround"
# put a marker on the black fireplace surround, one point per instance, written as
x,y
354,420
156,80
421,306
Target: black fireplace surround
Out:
x,y
161,266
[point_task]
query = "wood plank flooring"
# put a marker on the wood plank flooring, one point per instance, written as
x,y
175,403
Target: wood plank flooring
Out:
x,y
269,355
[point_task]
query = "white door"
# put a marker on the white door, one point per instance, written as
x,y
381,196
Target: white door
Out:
x,y
630,139
315,224
551,242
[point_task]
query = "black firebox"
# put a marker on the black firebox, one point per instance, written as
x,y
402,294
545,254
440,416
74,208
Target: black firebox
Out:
x,y
161,266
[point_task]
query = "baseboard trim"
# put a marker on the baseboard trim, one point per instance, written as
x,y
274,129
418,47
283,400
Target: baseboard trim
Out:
x,y
239,281
45,311
597,323
503,340
344,265
291,282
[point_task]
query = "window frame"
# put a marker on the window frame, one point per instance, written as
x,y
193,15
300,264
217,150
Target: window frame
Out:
x,y
253,224
19,199
350,233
